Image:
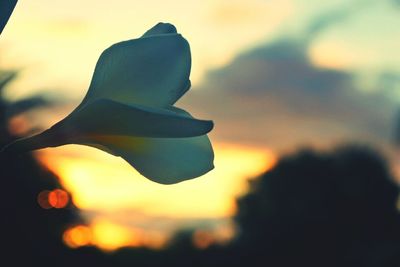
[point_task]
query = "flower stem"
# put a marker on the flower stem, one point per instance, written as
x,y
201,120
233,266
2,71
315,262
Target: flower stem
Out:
x,y
39,141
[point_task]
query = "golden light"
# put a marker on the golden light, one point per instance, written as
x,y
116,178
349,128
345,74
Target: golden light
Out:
x,y
109,236
104,183
78,236
331,55
98,179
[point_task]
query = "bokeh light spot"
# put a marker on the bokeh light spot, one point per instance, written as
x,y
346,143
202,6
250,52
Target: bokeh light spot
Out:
x,y
43,199
58,198
77,236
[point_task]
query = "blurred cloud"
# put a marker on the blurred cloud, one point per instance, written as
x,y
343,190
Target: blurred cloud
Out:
x,y
330,18
276,96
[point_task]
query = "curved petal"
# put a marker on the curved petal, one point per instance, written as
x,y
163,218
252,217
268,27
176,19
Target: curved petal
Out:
x,y
162,160
6,9
160,28
152,71
107,117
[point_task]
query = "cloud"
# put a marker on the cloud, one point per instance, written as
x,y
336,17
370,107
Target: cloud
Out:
x,y
274,96
332,17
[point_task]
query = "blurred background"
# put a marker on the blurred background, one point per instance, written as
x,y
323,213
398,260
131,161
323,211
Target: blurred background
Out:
x,y
305,99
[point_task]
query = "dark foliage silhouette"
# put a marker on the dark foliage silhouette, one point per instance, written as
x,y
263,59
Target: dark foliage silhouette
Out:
x,y
316,209
30,235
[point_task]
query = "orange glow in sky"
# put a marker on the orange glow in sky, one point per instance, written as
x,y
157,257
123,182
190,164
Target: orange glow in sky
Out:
x,y
109,236
98,181
339,55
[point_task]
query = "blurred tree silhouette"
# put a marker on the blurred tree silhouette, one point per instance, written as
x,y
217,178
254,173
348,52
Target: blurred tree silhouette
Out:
x,y
30,235
311,209
316,209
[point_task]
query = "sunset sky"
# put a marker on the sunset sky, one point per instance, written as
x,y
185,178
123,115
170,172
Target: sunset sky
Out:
x,y
274,75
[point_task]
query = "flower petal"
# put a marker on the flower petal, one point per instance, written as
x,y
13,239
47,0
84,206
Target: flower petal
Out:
x,y
107,117
152,71
6,8
163,160
160,28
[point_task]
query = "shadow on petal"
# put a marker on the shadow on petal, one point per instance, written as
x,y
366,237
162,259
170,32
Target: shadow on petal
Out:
x,y
107,117
163,160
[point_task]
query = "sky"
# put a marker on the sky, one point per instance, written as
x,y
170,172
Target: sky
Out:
x,y
274,75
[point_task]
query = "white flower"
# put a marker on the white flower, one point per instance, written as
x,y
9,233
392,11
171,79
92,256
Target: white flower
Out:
x,y
128,110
